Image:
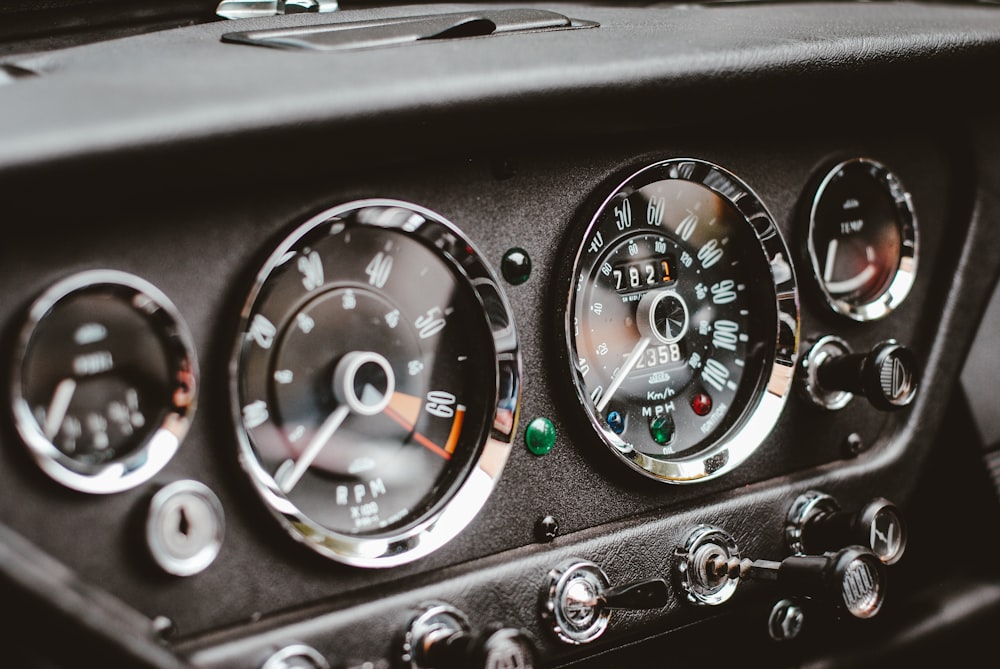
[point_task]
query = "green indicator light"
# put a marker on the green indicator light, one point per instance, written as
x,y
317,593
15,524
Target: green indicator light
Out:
x,y
540,436
516,266
662,429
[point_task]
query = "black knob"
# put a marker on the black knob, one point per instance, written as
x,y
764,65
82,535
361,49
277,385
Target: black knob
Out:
x,y
878,525
887,375
852,579
817,524
494,647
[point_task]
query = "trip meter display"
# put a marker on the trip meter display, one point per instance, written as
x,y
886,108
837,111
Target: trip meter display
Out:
x,y
375,382
682,321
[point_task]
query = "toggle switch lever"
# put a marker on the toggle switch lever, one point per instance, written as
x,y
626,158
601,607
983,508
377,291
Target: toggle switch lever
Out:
x,y
651,594
852,579
710,569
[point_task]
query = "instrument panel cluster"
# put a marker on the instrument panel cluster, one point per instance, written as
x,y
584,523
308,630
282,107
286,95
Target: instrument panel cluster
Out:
x,y
377,384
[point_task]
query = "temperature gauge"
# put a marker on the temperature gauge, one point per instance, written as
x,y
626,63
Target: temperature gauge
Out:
x,y
104,381
863,239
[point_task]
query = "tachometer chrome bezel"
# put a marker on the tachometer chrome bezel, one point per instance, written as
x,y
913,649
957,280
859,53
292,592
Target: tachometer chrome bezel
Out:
x,y
443,523
758,418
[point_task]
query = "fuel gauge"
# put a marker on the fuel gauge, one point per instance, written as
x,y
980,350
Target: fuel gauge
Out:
x,y
863,239
104,381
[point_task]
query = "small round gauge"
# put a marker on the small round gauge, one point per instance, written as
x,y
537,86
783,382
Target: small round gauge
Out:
x,y
682,321
862,239
105,381
375,382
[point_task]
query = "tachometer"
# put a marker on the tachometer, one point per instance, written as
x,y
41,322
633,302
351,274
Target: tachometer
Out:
x,y
375,382
682,322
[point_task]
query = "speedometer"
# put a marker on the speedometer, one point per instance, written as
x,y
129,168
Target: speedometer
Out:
x,y
682,321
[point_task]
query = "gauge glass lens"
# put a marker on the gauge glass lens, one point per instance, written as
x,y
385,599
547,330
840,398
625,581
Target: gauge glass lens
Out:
x,y
862,239
683,311
106,381
368,378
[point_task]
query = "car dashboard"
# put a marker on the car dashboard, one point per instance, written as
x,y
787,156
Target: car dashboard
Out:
x,y
562,335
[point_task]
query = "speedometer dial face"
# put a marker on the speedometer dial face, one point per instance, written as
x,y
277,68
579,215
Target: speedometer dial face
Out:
x,y
376,382
682,321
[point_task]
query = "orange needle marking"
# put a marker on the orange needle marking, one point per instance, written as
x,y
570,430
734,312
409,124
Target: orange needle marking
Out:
x,y
456,428
404,409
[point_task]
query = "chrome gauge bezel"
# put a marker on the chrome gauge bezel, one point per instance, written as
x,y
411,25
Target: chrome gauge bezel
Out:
x,y
773,384
902,281
457,508
150,456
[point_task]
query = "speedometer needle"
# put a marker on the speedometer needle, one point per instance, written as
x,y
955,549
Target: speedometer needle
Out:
x,y
289,477
616,382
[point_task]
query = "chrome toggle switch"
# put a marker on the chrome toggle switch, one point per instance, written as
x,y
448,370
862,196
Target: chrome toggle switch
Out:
x,y
852,579
577,600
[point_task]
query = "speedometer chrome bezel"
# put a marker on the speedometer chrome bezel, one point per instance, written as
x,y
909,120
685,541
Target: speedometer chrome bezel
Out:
x,y
446,520
774,382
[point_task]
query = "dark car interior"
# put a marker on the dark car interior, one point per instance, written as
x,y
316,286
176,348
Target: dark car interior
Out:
x,y
569,334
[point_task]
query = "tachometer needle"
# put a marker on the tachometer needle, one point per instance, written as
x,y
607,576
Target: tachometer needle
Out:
x,y
365,369
58,407
616,382
290,476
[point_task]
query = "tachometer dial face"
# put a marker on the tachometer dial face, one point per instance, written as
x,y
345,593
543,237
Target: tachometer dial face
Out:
x,y
863,239
105,381
682,321
376,382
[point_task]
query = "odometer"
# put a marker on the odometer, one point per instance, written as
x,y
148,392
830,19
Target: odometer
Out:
x,y
682,322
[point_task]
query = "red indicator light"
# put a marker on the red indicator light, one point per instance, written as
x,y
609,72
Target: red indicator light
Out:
x,y
701,404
